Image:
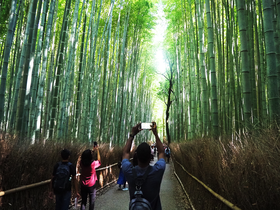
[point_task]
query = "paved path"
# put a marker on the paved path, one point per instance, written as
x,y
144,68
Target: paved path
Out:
x,y
171,195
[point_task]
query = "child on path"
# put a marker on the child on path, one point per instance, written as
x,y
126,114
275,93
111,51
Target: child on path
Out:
x,y
121,180
167,154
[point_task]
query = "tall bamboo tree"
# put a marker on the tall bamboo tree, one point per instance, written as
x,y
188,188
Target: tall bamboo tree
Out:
x,y
214,100
246,83
8,44
272,85
202,67
38,113
57,72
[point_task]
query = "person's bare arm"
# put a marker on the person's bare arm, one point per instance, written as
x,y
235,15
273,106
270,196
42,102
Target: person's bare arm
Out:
x,y
127,147
159,144
96,148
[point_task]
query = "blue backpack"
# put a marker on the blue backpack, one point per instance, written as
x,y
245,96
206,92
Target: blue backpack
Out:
x,y
167,151
62,177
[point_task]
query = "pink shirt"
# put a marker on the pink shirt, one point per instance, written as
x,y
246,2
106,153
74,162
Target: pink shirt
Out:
x,y
88,173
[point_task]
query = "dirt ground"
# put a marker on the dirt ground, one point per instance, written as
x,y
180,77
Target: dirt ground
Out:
x,y
171,195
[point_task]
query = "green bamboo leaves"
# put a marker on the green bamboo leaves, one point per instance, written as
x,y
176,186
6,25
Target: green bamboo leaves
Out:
x,y
83,69
9,40
76,68
227,86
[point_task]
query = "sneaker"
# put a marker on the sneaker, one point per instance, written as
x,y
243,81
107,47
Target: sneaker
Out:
x,y
119,188
124,189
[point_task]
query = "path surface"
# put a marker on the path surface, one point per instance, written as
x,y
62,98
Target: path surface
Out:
x,y
171,195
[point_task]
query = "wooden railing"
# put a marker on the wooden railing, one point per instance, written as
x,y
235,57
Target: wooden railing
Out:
x,y
222,199
25,187
226,202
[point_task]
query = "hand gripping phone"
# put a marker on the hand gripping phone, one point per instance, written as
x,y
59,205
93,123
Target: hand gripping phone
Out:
x,y
146,125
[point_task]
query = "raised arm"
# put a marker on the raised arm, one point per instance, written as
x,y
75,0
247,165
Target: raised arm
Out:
x,y
98,155
96,148
127,147
159,144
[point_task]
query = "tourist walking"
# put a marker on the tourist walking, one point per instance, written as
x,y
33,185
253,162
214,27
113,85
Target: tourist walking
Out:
x,y
88,176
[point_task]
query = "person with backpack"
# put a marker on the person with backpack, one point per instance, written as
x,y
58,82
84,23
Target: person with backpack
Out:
x,y
144,180
88,176
63,174
167,154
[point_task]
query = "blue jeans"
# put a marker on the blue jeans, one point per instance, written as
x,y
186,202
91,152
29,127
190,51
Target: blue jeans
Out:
x,y
91,191
62,200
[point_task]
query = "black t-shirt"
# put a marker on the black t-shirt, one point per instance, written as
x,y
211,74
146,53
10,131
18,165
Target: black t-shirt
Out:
x,y
72,172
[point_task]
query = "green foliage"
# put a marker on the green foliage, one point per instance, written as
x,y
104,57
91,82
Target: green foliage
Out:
x,y
5,6
142,19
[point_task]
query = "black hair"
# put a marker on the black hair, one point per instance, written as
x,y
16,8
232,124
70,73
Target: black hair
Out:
x,y
144,152
65,153
86,158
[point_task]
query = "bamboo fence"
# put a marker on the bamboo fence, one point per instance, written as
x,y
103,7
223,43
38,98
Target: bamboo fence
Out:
x,y
25,187
222,199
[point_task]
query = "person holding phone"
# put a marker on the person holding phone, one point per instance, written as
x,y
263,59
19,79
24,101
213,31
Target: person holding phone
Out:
x,y
151,187
88,176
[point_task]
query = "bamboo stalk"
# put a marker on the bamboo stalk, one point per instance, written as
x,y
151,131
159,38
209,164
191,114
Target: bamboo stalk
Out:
x,y
225,201
2,193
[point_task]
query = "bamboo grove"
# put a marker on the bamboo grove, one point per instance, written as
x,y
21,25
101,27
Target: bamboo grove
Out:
x,y
75,69
226,65
82,69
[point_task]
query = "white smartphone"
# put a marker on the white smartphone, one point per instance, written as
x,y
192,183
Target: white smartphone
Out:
x,y
146,125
